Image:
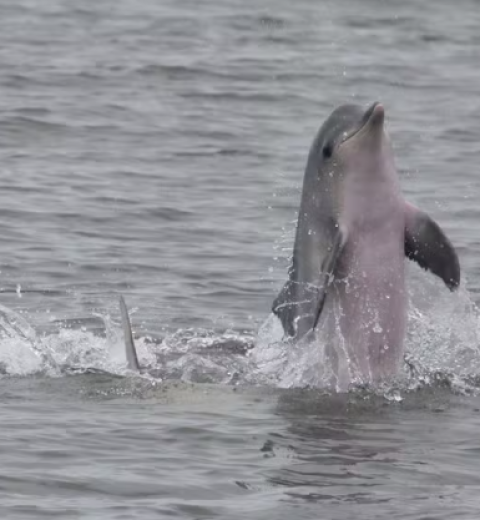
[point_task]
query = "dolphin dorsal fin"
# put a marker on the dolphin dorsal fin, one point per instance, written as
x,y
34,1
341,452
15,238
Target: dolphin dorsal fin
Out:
x,y
130,352
427,244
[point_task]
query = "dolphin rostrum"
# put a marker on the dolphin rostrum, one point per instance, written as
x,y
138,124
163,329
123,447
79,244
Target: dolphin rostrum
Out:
x,y
347,277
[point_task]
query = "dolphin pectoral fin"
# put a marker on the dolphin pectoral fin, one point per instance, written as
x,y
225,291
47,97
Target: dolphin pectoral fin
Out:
x,y
284,308
427,244
131,353
328,268
300,304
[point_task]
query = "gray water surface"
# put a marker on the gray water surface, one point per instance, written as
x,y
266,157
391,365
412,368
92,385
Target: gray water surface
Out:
x,y
156,149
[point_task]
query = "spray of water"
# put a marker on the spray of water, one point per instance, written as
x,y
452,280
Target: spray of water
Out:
x,y
442,344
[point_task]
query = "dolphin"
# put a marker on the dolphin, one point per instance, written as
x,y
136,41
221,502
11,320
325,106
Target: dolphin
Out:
x,y
346,282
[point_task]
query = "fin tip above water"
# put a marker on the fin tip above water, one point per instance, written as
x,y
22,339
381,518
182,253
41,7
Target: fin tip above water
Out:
x,y
130,352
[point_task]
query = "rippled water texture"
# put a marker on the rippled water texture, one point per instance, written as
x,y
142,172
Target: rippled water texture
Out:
x,y
156,149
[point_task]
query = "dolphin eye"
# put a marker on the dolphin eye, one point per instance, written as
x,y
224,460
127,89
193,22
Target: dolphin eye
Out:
x,y
327,150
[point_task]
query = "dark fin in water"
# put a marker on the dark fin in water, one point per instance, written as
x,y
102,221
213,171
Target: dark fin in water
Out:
x,y
285,309
131,353
328,269
304,301
426,244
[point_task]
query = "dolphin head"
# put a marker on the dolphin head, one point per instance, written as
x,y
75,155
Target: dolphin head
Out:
x,y
365,146
351,144
349,134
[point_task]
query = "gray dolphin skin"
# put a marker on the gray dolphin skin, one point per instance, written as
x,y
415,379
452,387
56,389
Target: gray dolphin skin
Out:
x,y
347,278
130,352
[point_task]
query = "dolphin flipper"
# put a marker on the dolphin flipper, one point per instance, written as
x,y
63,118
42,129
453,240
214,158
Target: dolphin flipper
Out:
x,y
328,267
427,244
285,309
130,352
296,297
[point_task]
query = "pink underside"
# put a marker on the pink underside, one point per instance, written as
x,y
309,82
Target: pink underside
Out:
x,y
369,303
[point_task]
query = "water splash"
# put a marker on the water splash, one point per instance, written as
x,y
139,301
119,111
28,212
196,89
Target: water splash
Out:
x,y
18,353
199,356
23,352
442,346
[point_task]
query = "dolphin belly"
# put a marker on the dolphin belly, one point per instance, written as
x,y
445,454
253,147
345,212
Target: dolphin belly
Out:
x,y
367,311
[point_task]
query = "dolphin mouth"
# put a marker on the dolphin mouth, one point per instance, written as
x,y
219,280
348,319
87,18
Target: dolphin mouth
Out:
x,y
372,118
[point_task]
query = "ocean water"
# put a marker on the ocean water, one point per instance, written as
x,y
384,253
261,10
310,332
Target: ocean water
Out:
x,y
156,150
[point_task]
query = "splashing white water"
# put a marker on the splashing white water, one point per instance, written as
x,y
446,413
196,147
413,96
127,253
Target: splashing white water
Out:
x,y
443,336
23,352
187,355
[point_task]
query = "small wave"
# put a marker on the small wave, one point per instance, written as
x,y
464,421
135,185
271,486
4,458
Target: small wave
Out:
x,y
22,123
171,71
190,72
33,112
356,22
271,21
225,95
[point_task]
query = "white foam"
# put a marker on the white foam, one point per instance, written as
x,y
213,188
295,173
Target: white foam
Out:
x,y
443,336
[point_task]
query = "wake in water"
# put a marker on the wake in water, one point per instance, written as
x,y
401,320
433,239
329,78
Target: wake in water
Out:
x,y
442,347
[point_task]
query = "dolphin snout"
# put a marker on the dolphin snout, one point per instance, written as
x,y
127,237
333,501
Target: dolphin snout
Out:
x,y
375,114
371,123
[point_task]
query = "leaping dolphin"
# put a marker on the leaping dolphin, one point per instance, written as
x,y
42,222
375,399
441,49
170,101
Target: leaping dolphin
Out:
x,y
347,277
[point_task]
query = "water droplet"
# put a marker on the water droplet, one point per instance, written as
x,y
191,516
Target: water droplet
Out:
x,y
394,396
377,328
270,269
19,289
